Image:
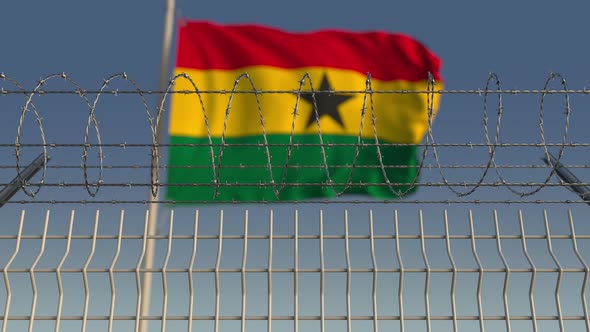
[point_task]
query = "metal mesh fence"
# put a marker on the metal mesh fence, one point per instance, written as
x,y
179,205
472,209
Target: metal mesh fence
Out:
x,y
330,271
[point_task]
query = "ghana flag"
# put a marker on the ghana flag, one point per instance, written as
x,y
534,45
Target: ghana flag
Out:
x,y
276,145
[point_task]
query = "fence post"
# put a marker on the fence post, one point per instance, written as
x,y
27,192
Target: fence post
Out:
x,y
153,207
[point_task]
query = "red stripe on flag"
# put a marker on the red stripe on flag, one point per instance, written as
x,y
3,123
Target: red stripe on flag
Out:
x,y
203,45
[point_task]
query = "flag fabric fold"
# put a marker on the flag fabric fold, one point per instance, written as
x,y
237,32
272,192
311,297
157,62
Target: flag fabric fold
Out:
x,y
283,116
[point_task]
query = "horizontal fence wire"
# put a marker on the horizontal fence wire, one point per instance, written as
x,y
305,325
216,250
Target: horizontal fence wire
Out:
x,y
432,171
382,270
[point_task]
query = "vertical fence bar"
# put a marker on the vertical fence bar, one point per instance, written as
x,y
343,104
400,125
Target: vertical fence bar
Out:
x,y
191,266
5,271
559,275
480,272
148,263
217,267
58,273
270,231
269,274
138,269
164,270
85,272
243,274
586,271
111,273
32,272
296,271
534,274
322,276
375,270
427,280
401,273
348,273
506,276
454,277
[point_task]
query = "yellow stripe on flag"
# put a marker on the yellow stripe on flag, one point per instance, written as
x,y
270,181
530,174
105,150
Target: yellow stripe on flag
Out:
x,y
400,118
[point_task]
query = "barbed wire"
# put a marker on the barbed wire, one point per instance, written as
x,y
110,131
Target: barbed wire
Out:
x,y
296,92
430,145
428,166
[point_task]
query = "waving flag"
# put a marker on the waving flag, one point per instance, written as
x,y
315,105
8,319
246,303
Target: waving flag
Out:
x,y
286,141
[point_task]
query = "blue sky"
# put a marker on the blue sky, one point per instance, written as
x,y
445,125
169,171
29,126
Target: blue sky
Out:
x,y
522,44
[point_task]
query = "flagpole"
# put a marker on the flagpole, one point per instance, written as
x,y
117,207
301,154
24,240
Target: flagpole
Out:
x,y
153,207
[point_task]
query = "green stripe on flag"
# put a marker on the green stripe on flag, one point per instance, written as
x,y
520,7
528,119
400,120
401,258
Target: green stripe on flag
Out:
x,y
245,169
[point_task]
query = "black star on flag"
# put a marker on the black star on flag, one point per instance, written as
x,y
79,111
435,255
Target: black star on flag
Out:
x,y
327,103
